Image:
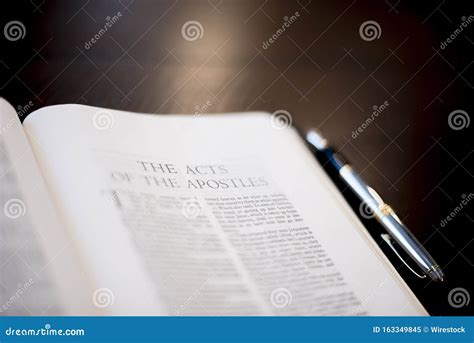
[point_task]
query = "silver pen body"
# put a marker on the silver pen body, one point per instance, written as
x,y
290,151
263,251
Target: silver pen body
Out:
x,y
378,209
390,221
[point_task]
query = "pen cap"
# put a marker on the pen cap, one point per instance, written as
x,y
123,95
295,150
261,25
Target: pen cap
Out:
x,y
314,137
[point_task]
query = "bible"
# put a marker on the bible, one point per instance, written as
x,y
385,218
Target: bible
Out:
x,y
107,212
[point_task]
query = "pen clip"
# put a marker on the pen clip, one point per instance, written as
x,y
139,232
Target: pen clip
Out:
x,y
386,237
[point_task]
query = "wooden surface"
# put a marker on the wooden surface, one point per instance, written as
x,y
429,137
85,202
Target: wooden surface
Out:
x,y
319,69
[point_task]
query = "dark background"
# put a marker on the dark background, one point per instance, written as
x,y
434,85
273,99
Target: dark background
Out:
x,y
320,70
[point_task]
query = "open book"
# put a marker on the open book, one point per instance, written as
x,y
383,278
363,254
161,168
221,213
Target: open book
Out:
x,y
117,213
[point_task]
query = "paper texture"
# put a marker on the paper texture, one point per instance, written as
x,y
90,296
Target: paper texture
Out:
x,y
209,215
38,267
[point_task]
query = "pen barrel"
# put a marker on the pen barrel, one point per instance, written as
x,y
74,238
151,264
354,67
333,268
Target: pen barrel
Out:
x,y
407,242
359,188
389,220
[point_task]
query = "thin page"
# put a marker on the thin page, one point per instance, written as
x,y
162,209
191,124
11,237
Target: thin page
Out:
x,y
36,265
210,215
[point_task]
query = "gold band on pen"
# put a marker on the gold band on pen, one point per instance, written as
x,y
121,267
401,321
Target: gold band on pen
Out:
x,y
386,209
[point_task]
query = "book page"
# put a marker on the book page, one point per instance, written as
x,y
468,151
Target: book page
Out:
x,y
210,215
37,269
